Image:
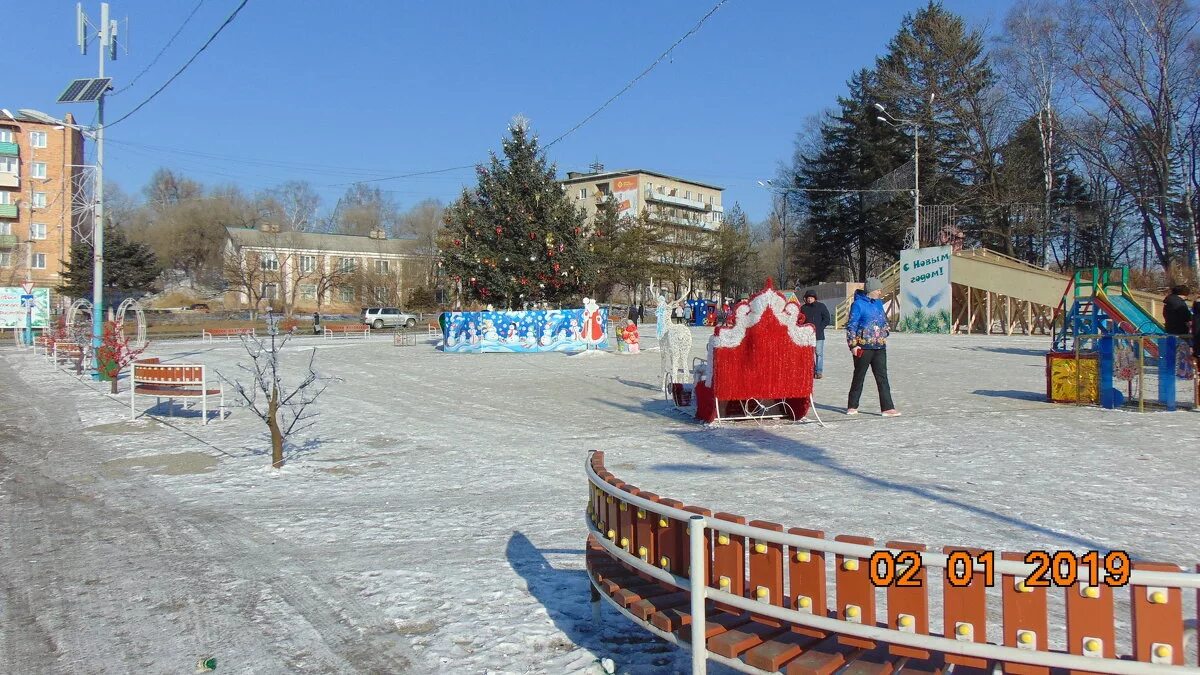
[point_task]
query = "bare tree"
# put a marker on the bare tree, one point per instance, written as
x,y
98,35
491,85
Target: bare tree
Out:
x,y
425,222
284,410
1138,59
293,205
1031,53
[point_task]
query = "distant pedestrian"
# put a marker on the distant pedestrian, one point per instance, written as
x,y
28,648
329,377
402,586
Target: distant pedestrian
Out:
x,y
817,314
687,313
316,323
866,335
641,312
1177,318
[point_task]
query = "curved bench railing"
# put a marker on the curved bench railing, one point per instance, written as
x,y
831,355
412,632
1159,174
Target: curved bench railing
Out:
x,y
739,606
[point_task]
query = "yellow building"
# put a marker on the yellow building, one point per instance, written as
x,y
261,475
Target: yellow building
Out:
x,y
41,165
308,271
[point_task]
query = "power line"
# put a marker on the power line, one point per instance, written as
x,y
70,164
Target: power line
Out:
x,y
587,119
161,52
645,72
179,72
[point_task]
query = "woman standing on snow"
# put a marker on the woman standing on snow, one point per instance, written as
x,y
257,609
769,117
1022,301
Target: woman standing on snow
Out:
x,y
866,335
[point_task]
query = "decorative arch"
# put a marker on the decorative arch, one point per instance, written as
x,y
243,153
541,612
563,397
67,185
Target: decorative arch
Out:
x,y
128,304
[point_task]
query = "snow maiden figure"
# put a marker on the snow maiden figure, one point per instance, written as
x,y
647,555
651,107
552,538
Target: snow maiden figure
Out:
x,y
630,336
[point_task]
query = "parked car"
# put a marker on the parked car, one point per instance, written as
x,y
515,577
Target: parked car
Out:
x,y
199,307
387,317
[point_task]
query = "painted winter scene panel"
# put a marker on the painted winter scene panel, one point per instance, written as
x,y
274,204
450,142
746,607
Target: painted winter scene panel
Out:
x,y
432,517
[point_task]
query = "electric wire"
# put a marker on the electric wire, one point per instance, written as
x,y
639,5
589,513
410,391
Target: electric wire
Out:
x,y
179,72
589,118
161,51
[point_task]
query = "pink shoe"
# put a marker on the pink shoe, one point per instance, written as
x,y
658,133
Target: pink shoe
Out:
x,y
851,411
891,413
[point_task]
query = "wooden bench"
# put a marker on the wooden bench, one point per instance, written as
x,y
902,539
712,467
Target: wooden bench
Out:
x,y
207,334
42,345
793,600
345,330
67,353
149,377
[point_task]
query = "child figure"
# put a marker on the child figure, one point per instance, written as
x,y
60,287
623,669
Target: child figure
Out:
x,y
630,335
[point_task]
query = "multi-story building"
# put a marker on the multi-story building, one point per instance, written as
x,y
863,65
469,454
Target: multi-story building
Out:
x,y
307,271
686,212
40,169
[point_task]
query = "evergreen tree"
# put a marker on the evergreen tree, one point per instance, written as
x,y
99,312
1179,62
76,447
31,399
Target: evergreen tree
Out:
x,y
936,73
845,231
128,266
517,237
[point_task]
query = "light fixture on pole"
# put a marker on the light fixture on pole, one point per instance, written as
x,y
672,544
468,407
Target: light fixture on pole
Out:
x,y
782,191
916,234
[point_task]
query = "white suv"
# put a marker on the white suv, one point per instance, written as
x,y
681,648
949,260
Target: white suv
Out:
x,y
387,317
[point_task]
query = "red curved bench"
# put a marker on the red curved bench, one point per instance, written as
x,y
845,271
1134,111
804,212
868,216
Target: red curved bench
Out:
x,y
794,601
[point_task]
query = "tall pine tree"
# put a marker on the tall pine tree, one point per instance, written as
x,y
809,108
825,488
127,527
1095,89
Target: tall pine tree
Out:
x,y
128,266
517,237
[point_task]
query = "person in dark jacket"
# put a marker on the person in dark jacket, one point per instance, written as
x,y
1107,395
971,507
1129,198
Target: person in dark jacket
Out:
x,y
1177,319
866,335
817,314
316,323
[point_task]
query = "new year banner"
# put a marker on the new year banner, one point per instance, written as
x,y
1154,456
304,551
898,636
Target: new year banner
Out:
x,y
547,330
12,314
925,290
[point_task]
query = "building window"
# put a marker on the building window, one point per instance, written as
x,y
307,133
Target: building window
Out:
x,y
268,262
39,170
37,231
308,263
5,197
583,192
346,293
5,227
5,259
8,164
38,261
382,266
39,200
6,136
348,265
687,194
381,294
308,291
37,139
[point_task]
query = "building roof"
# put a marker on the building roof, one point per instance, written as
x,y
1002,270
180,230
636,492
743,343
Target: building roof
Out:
x,y
320,241
8,115
632,172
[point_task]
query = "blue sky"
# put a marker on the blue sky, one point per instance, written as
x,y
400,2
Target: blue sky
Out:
x,y
333,92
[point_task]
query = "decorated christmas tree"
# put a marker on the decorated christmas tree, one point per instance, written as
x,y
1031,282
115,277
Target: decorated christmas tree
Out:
x,y
517,237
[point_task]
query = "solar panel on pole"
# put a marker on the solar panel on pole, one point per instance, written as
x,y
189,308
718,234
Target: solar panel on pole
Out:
x,y
73,89
95,90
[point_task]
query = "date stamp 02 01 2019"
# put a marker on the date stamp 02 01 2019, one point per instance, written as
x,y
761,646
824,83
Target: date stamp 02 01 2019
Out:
x,y
1058,569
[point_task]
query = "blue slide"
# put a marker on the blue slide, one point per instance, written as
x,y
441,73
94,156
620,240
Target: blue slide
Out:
x,y
1132,312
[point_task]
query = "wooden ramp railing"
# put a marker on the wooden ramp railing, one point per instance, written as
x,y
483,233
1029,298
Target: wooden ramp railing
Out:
x,y
770,599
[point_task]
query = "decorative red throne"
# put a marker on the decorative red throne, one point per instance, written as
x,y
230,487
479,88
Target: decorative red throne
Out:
x,y
761,365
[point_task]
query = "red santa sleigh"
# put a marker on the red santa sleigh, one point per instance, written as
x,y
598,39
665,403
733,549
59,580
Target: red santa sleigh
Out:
x,y
761,365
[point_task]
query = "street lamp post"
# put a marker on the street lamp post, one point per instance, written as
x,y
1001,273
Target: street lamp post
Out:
x,y
888,120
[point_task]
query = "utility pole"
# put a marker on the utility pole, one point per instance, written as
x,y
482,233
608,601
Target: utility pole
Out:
x,y
107,46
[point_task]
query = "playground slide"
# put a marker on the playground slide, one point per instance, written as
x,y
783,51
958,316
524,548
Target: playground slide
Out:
x,y
1126,310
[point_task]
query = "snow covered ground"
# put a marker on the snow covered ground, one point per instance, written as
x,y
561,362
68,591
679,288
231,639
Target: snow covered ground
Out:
x,y
432,519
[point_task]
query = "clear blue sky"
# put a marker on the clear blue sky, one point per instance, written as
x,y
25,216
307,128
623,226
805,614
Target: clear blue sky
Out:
x,y
333,92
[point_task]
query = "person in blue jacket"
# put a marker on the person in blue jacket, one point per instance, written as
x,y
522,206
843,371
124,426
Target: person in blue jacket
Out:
x,y
866,335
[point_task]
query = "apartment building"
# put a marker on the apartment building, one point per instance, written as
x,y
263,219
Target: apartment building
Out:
x,y
687,212
40,167
309,271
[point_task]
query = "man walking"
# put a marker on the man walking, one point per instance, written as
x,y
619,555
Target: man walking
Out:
x,y
1177,318
818,315
866,334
